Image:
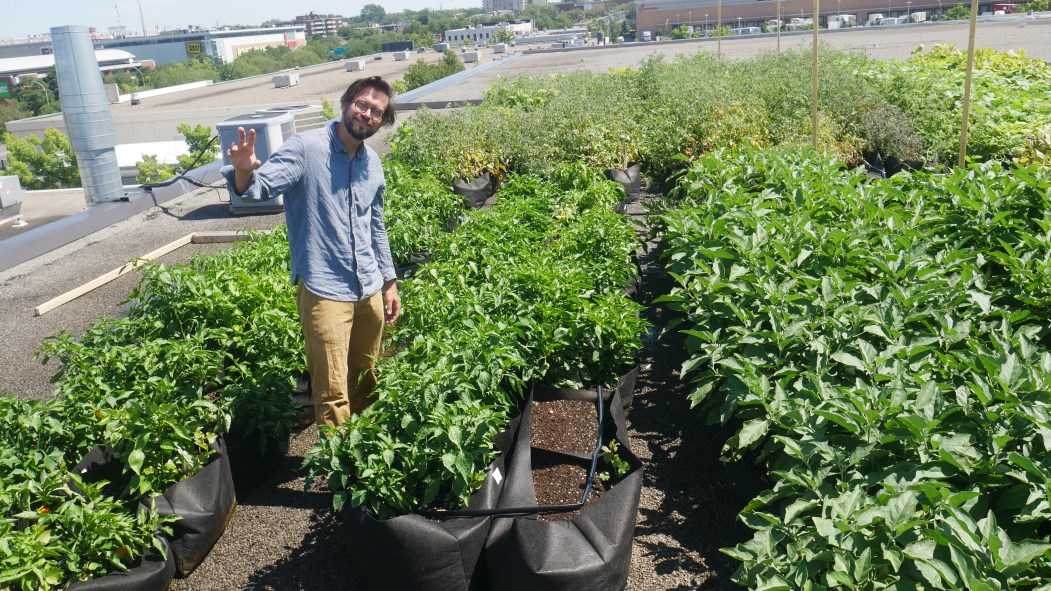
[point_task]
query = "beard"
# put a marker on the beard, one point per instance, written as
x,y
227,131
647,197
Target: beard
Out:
x,y
356,130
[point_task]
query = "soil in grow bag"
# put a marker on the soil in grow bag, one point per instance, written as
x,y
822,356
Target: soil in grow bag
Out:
x,y
564,425
562,483
625,389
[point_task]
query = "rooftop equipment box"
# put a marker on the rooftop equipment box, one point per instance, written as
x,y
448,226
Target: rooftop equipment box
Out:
x,y
355,65
286,80
499,47
400,56
470,57
11,191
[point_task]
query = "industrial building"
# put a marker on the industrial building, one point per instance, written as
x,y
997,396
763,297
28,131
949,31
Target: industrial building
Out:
x,y
110,60
482,34
222,45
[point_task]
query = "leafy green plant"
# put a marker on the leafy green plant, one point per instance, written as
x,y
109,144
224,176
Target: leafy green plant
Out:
x,y
875,357
56,528
422,73
609,455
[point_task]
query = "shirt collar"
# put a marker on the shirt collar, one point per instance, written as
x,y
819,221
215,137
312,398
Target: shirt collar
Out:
x,y
337,145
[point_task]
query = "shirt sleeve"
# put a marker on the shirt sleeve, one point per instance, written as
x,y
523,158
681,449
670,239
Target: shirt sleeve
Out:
x,y
282,170
380,244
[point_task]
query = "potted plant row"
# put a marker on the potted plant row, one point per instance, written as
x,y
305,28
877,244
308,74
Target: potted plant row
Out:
x,y
482,321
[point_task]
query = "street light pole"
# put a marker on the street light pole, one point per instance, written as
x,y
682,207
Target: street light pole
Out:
x,y
908,10
47,91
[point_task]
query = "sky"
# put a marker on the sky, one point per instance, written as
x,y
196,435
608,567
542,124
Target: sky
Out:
x,y
22,18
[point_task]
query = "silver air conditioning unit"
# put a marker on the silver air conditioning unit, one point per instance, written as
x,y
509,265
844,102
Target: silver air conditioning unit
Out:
x,y
272,128
86,111
286,80
11,195
304,117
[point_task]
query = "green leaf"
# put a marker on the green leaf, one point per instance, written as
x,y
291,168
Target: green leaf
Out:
x,y
983,300
848,359
752,431
135,460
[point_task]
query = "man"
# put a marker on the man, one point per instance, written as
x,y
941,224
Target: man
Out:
x,y
341,262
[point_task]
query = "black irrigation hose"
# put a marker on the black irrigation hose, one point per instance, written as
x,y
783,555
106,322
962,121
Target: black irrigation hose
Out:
x,y
182,176
536,509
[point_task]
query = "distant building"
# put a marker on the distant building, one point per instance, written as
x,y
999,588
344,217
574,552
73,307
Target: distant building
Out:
x,y
315,25
503,5
482,34
110,60
224,45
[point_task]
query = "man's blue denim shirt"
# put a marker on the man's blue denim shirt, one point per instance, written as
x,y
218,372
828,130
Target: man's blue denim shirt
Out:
x,y
333,210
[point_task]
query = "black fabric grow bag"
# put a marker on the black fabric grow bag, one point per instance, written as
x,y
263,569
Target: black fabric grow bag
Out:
x,y
251,459
204,504
629,178
417,553
412,265
476,190
102,463
152,572
592,552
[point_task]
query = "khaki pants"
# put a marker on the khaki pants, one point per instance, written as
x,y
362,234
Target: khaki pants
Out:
x,y
342,341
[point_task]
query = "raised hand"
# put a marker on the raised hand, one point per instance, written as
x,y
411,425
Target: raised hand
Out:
x,y
242,152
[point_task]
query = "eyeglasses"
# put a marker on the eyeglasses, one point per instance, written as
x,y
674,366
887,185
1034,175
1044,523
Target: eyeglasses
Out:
x,y
362,107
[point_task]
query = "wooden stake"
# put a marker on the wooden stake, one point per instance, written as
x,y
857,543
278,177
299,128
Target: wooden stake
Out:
x,y
813,75
967,87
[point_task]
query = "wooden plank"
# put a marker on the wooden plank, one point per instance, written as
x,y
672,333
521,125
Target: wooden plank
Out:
x,y
106,278
222,236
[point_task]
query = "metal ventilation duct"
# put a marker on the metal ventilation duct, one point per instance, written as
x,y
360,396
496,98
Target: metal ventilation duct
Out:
x,y
86,111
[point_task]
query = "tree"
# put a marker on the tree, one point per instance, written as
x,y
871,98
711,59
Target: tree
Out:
x,y
11,110
151,171
373,13
683,32
504,35
958,12
548,16
43,163
1036,5
203,149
